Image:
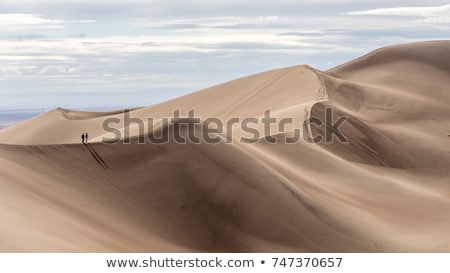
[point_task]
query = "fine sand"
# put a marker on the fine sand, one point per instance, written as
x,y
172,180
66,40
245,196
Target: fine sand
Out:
x,y
386,190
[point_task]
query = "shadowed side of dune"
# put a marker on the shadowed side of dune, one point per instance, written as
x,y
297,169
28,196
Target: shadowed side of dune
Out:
x,y
198,197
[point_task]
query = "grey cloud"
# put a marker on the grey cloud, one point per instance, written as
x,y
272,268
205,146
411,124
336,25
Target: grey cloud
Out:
x,y
79,35
21,37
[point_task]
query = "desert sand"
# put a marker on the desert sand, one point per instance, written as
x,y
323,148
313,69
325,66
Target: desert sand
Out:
x,y
386,190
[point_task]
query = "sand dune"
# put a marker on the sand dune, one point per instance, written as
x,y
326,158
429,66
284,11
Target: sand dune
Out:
x,y
385,190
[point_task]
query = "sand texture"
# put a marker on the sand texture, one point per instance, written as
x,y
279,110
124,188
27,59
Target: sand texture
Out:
x,y
386,190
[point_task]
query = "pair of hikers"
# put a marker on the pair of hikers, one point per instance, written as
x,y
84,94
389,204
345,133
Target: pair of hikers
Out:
x,y
84,137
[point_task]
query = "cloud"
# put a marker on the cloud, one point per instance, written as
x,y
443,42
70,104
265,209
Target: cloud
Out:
x,y
204,44
216,22
424,15
18,21
52,70
158,49
11,22
425,12
29,36
78,35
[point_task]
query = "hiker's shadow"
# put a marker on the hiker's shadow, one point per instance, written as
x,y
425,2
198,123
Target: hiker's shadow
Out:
x,y
96,156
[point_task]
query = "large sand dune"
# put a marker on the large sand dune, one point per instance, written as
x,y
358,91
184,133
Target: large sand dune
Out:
x,y
386,190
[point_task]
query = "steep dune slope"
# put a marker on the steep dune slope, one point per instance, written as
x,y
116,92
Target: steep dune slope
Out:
x,y
198,198
398,100
386,188
246,97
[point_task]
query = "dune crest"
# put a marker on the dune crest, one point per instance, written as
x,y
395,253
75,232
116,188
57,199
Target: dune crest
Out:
x,y
386,189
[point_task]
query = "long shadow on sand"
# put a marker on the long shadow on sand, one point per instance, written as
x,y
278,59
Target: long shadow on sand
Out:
x,y
96,156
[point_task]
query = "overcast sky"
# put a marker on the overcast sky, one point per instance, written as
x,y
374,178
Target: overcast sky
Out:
x,y
97,53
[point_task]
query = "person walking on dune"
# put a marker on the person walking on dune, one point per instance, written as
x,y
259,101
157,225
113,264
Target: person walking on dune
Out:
x,y
86,137
82,138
